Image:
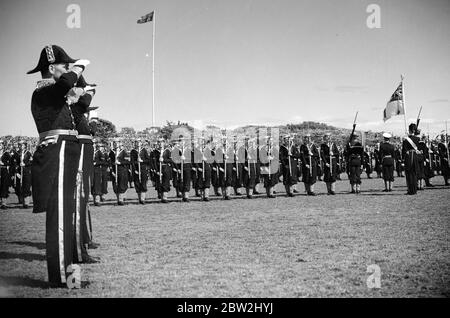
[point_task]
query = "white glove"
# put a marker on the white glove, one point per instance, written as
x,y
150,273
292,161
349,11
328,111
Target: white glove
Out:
x,y
89,88
82,63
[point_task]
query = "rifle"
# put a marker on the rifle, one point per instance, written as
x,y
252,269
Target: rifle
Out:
x,y
139,163
418,118
160,164
354,127
289,156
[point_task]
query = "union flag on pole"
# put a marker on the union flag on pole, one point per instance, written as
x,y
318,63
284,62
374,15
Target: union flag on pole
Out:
x,y
146,18
395,106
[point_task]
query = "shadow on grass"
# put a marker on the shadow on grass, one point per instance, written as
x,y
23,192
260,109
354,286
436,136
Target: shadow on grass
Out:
x,y
38,245
12,281
29,257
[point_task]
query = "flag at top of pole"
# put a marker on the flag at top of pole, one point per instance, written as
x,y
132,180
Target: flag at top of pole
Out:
x,y
146,18
150,17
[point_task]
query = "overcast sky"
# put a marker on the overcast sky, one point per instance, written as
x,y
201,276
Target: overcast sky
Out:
x,y
236,62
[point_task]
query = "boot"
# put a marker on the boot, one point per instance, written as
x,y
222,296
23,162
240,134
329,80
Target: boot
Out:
x,y
97,200
386,186
353,188
311,190
333,188
358,189
120,199
178,193
20,198
255,189
206,195
328,188
227,193
26,202
142,198
164,197
249,193
237,192
294,189
217,192
185,196
271,193
102,198
289,191
390,186
197,193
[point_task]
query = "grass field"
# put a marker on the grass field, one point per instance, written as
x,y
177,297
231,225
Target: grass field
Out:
x,y
284,247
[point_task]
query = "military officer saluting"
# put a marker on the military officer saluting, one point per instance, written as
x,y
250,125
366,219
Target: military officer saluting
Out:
x,y
387,155
55,162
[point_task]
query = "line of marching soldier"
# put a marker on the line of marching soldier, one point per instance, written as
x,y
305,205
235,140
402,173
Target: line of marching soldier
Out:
x,y
229,165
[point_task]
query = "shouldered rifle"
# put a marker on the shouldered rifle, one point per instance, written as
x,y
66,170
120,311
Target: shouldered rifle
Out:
x,y
418,118
354,127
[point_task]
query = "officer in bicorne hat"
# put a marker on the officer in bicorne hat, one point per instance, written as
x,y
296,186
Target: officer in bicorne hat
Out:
x,y
55,161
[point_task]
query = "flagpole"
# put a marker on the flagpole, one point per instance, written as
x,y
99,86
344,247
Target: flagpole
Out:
x,y
404,103
153,69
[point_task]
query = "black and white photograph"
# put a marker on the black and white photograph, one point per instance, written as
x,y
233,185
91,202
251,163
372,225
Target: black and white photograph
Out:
x,y
225,154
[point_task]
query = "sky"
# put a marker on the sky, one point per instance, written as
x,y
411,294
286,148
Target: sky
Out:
x,y
237,62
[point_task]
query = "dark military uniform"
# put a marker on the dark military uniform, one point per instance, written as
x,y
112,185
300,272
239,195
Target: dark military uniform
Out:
x,y
55,169
100,179
270,161
444,161
309,155
5,180
329,154
224,156
355,161
205,172
409,152
399,164
164,172
120,164
14,172
182,164
238,159
250,170
368,160
140,161
387,155
26,160
289,156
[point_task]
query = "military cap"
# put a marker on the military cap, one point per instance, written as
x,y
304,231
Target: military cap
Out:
x,y
51,54
387,135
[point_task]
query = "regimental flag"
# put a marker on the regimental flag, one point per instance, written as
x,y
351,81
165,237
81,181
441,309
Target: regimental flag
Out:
x,y
146,18
395,106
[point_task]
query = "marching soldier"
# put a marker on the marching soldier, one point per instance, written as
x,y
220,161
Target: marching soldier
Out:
x,y
181,170
355,162
269,156
330,154
5,180
26,159
55,161
100,179
288,161
140,160
120,159
250,168
309,155
444,159
409,152
387,155
164,163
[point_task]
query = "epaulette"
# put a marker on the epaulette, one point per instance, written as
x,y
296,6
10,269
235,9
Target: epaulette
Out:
x,y
44,83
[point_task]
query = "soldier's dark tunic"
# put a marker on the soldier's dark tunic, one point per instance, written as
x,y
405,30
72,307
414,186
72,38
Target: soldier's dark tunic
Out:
x,y
444,163
355,159
82,222
14,172
100,180
288,162
387,155
122,170
411,163
309,156
398,162
378,162
182,163
269,167
204,168
140,169
225,167
251,168
25,171
5,180
329,154
164,170
421,157
54,171
238,159
368,159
